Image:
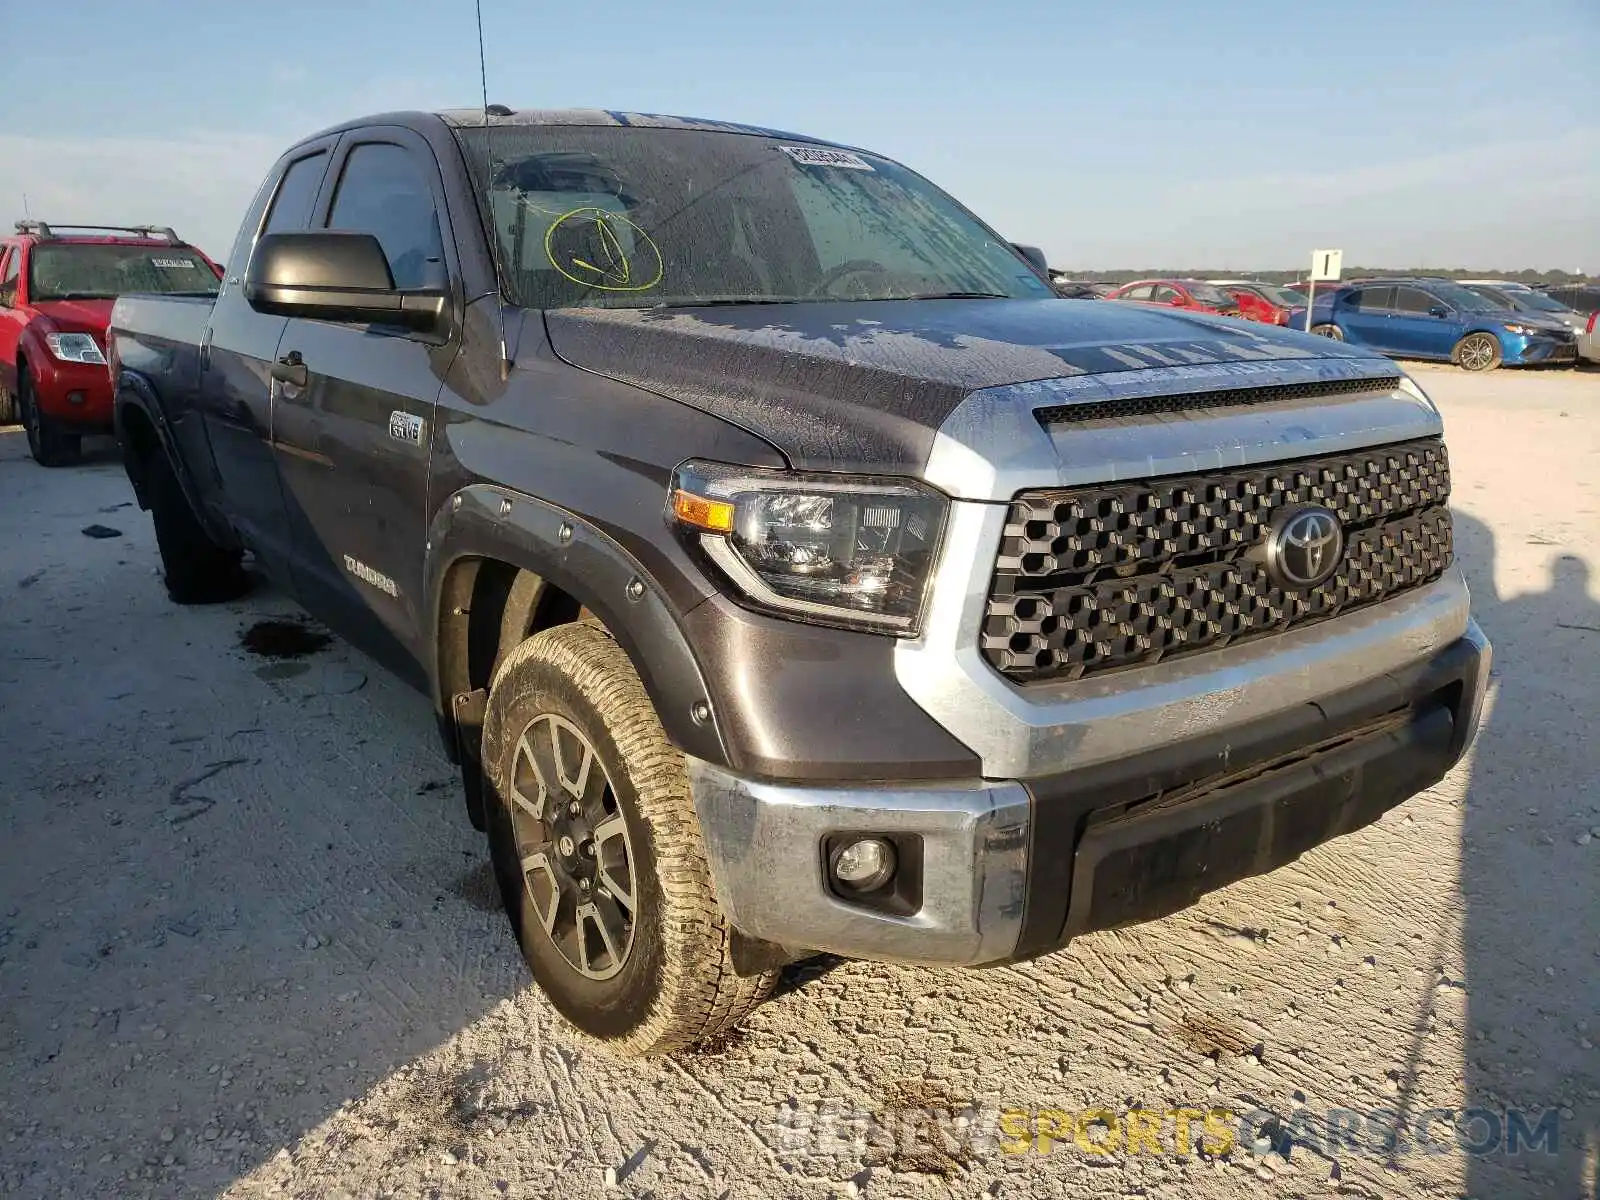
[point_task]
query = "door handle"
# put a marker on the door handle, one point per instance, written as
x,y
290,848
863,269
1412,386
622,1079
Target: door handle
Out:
x,y
291,369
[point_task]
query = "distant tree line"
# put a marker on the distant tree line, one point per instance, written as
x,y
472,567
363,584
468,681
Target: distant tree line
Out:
x,y
1526,275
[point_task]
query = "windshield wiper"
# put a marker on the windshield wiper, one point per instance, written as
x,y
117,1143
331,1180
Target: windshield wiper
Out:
x,y
725,301
80,296
956,296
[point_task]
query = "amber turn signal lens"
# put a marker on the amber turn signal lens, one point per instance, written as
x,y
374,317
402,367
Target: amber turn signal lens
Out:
x,y
714,516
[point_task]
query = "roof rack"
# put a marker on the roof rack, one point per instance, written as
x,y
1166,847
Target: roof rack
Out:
x,y
43,230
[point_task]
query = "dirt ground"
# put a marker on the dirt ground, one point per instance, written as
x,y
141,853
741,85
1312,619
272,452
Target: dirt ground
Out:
x,y
249,945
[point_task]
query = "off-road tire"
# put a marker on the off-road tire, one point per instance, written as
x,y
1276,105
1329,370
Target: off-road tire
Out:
x,y
676,986
195,568
49,446
1328,331
1477,352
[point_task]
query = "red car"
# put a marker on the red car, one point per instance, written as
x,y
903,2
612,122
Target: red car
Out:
x,y
57,286
1179,293
1265,302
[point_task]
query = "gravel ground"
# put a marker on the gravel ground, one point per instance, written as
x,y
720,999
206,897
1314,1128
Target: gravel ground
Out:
x,y
249,945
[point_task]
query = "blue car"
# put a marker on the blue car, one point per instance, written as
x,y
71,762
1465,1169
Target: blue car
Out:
x,y
1438,319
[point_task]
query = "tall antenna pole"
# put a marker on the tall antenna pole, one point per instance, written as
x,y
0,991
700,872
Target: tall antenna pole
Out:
x,y
488,195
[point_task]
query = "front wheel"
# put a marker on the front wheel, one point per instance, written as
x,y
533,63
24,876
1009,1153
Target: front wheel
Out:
x,y
1477,352
8,408
49,446
1328,331
598,852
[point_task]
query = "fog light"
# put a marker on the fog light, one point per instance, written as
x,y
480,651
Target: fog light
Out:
x,y
865,865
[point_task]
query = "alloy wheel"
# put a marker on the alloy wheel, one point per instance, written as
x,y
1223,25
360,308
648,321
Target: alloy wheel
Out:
x,y
1477,353
573,846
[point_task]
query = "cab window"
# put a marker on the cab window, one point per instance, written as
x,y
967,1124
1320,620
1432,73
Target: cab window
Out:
x,y
383,191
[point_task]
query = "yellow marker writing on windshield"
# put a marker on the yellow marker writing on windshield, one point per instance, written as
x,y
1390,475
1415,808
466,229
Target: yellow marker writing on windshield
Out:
x,y
616,270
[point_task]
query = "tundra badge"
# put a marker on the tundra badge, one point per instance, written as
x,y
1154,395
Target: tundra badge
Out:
x,y
367,575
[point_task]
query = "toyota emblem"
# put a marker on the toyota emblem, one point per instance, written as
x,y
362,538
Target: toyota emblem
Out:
x,y
1305,548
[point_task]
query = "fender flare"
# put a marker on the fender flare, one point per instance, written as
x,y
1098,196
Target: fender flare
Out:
x,y
486,521
133,390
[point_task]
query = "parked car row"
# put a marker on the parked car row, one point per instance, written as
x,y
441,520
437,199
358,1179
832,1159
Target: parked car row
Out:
x,y
1477,324
57,286
1477,327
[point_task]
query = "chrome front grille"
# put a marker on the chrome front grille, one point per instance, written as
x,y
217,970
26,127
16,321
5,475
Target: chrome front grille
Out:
x,y
1118,575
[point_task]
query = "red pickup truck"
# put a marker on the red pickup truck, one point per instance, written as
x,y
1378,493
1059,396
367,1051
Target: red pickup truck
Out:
x,y
57,286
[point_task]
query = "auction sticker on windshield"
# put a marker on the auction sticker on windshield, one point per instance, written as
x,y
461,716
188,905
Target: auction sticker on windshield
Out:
x,y
821,156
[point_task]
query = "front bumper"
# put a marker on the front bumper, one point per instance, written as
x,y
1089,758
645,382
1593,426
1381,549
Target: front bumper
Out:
x,y
1013,869
71,393
1530,351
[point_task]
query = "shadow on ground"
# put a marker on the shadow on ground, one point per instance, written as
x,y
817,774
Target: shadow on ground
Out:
x,y
1530,883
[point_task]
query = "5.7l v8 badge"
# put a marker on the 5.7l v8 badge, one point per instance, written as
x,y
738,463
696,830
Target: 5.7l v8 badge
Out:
x,y
403,427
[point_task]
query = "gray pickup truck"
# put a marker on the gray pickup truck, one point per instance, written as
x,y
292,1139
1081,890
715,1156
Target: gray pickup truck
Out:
x,y
791,570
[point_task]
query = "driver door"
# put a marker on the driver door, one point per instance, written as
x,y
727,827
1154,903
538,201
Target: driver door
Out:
x,y
1423,324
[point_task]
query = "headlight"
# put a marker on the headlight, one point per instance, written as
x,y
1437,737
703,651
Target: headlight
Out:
x,y
849,550
74,347
1411,387
1524,330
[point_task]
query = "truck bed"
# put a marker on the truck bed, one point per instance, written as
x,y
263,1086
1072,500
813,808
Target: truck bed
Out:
x,y
159,336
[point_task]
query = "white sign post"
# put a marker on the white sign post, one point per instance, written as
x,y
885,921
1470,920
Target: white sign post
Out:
x,y
1325,268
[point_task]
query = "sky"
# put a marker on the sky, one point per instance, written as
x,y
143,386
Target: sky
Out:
x,y
1172,133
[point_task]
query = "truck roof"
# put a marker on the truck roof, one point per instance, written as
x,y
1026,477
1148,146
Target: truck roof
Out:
x,y
463,117
500,116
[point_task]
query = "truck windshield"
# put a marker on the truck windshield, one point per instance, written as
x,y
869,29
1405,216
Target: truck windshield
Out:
x,y
595,216
99,271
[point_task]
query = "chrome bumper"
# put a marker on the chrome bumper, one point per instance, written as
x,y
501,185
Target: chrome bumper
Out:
x,y
765,842
992,849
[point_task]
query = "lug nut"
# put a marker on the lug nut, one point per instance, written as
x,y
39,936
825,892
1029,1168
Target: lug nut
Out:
x,y
574,808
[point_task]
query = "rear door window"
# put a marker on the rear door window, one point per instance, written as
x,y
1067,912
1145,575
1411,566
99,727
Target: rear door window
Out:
x,y
1142,292
1166,295
1375,299
291,207
1412,301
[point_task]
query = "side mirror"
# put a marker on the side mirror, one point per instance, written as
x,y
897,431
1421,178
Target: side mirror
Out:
x,y
1438,310
1035,257
335,276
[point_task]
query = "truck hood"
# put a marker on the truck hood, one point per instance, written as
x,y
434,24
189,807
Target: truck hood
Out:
x,y
866,385
77,316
